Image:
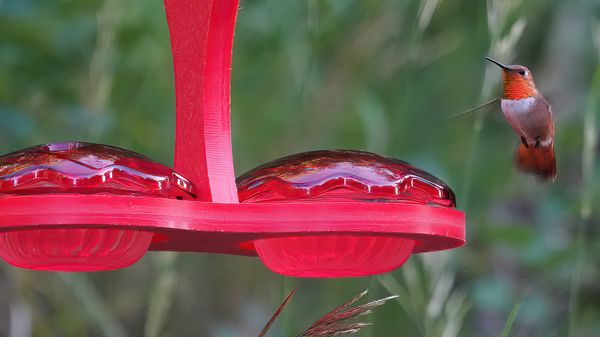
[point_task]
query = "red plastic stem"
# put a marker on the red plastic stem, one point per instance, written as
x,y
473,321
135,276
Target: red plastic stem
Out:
x,y
202,41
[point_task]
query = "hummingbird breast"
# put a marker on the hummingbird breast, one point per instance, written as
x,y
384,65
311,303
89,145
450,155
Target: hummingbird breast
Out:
x,y
531,118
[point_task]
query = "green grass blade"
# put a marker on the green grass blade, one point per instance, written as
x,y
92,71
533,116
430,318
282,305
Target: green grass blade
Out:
x,y
511,318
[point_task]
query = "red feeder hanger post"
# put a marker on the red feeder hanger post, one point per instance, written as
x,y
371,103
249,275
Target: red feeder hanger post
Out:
x,y
81,206
202,41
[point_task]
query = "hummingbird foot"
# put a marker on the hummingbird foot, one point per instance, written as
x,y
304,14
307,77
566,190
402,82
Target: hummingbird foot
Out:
x,y
524,141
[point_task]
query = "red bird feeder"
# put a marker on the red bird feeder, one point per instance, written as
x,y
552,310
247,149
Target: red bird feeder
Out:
x,y
82,206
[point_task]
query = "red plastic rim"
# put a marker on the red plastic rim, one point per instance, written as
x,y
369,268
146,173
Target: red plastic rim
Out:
x,y
73,249
334,255
193,226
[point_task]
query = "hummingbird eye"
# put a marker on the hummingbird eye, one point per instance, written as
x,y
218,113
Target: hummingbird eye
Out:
x,y
522,72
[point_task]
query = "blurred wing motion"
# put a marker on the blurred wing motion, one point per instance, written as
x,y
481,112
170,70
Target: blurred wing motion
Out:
x,y
337,323
264,331
497,99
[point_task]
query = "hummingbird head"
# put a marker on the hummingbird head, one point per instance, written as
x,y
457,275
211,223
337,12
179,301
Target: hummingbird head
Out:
x,y
518,82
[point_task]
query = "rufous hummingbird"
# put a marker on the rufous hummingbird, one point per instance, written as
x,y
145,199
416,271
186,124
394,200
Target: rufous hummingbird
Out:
x,y
531,116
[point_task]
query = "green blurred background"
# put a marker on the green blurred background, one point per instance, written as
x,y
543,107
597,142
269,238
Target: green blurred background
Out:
x,y
376,75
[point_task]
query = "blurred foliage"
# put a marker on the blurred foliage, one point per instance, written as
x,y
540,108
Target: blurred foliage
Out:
x,y
376,75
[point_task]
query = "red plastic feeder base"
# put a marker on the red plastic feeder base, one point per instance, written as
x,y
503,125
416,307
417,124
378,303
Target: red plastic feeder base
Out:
x,y
334,255
195,226
74,249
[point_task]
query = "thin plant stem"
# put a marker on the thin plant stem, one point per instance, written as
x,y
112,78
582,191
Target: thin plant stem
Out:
x,y
93,305
590,137
468,182
287,329
501,46
268,326
511,318
372,296
101,73
161,295
576,279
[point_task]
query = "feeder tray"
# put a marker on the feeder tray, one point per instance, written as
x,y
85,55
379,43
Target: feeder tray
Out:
x,y
83,207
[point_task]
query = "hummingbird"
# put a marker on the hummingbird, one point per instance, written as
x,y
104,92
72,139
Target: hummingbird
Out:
x,y
531,116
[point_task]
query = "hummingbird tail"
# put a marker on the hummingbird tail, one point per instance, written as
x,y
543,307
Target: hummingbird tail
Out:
x,y
539,161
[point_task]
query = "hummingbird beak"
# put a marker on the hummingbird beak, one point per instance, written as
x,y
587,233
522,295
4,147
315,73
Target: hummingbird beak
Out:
x,y
497,63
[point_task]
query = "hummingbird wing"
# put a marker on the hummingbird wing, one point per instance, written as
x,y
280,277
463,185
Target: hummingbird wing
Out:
x,y
475,108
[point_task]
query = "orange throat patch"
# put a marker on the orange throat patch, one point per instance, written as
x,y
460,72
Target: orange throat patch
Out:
x,y
516,87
